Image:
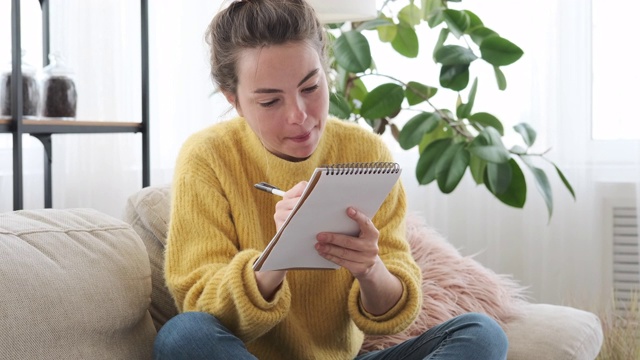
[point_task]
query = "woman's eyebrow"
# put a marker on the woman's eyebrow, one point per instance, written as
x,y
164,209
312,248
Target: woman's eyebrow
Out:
x,y
311,74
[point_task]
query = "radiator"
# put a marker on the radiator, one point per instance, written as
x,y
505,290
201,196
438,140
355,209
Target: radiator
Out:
x,y
625,257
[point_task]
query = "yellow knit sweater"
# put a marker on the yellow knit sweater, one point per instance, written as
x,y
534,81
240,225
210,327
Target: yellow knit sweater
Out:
x,y
220,223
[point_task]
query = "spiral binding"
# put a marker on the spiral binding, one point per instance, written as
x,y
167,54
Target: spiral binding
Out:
x,y
363,168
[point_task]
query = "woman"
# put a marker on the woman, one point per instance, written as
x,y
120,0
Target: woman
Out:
x,y
268,59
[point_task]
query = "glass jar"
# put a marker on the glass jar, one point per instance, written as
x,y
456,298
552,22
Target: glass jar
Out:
x,y
59,96
30,91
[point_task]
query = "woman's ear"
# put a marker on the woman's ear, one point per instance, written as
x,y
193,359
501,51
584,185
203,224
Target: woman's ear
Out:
x,y
233,100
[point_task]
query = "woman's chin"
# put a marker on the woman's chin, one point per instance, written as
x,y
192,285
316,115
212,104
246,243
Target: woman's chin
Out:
x,y
298,154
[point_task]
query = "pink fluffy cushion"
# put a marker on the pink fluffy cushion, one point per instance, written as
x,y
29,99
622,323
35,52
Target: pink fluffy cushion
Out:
x,y
452,284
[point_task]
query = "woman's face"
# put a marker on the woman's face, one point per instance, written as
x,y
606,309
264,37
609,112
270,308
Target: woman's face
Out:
x,y
283,95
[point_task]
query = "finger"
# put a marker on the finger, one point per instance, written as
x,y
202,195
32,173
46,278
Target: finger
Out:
x,y
347,247
296,191
367,228
341,255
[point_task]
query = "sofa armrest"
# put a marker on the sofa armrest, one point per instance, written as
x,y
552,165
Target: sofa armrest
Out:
x,y
76,284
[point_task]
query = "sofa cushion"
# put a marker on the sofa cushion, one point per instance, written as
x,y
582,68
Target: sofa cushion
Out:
x,y
74,284
147,211
554,332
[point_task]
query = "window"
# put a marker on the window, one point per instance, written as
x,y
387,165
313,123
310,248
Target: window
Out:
x,y
616,74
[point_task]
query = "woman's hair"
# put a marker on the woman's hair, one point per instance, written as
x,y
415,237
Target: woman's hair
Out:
x,y
250,24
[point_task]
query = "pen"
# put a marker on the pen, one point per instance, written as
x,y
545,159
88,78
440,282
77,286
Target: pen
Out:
x,y
269,188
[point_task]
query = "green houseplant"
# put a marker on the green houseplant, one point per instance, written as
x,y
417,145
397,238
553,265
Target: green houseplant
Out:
x,y
450,140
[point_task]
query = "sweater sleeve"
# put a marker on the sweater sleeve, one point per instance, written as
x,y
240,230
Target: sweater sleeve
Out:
x,y
396,255
205,269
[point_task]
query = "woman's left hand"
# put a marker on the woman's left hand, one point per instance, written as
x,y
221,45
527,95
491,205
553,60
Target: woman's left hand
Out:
x,y
358,254
379,289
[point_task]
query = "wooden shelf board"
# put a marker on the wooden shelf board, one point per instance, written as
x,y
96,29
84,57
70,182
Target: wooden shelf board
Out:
x,y
5,125
34,126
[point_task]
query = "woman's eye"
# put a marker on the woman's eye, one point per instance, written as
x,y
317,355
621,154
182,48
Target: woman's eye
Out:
x,y
269,103
311,89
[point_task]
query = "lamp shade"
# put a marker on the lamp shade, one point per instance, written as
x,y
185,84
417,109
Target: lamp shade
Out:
x,y
336,11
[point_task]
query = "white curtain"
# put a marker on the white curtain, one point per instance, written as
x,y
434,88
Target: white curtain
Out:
x,y
563,260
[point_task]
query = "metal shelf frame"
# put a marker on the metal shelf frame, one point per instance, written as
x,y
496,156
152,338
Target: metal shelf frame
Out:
x,y
44,129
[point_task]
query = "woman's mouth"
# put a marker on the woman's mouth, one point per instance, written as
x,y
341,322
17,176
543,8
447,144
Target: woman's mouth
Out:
x,y
301,138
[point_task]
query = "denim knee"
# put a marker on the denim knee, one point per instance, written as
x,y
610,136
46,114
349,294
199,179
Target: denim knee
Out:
x,y
487,334
184,330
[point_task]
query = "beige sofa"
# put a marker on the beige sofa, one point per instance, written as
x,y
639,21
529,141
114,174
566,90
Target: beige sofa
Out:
x,y
79,284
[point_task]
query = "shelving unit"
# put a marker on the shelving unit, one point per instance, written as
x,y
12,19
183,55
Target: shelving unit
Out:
x,y
43,130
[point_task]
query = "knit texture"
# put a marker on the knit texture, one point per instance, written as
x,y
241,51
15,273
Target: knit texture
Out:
x,y
220,223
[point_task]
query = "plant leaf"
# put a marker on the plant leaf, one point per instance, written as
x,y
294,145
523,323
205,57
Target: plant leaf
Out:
x,y
395,131
498,51
457,21
442,131
516,193
499,177
339,106
426,166
474,20
342,75
454,55
485,119
542,183
464,110
385,100
527,132
357,93
477,167
517,149
352,51
500,78
375,23
417,92
565,181
442,37
454,77
478,34
414,130
387,32
489,147
451,167
406,41
410,15
432,12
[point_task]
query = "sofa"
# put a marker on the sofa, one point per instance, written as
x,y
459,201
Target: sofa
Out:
x,y
80,284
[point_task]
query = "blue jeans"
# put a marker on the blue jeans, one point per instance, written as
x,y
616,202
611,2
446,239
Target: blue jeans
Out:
x,y
470,336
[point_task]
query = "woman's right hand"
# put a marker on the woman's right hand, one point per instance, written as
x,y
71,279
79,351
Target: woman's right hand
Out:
x,y
284,206
270,281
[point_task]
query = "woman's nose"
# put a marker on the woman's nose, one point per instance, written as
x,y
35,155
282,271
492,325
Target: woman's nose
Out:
x,y
297,113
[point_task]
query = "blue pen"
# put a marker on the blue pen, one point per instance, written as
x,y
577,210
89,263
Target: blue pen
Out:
x,y
269,188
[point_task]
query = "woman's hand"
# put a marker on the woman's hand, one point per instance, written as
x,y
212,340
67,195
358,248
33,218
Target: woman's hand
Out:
x,y
379,289
358,254
284,206
269,281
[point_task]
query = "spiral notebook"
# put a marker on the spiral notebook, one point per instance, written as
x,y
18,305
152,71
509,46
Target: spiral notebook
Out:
x,y
322,208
